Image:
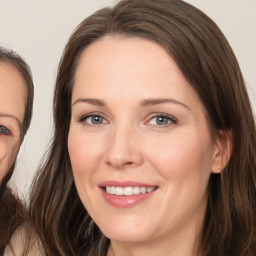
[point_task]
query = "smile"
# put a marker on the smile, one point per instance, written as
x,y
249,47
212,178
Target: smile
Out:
x,y
128,191
126,194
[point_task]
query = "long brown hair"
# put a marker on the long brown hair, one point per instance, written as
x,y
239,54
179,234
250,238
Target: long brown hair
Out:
x,y
12,211
208,63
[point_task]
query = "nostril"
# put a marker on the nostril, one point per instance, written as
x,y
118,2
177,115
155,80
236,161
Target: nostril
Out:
x,y
128,163
120,165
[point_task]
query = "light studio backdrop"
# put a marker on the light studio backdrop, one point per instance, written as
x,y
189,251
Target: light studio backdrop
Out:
x,y
38,31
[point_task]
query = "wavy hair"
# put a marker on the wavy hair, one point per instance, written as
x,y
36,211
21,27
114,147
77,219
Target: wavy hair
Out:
x,y
12,211
208,63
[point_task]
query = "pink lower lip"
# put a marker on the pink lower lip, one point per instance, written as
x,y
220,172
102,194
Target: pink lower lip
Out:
x,y
125,201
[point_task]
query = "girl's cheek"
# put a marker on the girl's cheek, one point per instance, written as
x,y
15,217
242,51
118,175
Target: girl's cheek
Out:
x,y
8,151
4,161
3,149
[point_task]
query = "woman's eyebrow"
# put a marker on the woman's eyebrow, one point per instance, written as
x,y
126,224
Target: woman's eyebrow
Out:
x,y
13,117
90,101
146,102
150,102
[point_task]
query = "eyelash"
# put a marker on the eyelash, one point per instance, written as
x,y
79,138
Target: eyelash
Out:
x,y
171,120
4,131
83,118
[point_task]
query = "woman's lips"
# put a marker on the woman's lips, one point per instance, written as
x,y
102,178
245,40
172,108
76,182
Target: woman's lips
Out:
x,y
126,194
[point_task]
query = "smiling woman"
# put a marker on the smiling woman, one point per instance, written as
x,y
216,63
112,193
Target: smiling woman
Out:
x,y
16,100
154,144
150,101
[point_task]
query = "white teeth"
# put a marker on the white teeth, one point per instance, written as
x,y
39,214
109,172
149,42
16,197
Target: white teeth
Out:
x,y
143,190
119,191
128,191
136,190
150,189
112,190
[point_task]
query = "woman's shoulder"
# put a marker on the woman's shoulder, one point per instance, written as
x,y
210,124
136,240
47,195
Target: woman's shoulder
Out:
x,y
24,242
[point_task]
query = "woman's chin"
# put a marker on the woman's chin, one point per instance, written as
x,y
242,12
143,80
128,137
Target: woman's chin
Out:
x,y
127,235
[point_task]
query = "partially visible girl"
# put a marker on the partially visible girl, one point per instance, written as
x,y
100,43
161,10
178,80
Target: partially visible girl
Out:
x,y
16,102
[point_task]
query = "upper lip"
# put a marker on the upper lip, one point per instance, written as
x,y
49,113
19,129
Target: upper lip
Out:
x,y
122,184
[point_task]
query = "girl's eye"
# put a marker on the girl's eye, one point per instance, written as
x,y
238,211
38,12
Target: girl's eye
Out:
x,y
93,119
4,130
162,120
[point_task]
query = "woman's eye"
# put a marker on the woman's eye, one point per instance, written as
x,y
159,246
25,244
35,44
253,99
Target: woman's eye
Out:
x,y
162,120
4,130
93,119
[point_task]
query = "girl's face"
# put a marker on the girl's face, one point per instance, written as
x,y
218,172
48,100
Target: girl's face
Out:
x,y
139,142
12,109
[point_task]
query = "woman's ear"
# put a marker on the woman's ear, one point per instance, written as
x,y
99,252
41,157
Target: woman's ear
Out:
x,y
222,151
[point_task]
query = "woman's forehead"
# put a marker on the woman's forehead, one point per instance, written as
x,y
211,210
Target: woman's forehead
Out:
x,y
13,92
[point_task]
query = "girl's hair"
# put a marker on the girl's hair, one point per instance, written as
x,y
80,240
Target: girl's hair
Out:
x,y
208,63
12,211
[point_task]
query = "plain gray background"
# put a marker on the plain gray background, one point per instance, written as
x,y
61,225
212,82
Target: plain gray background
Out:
x,y
39,29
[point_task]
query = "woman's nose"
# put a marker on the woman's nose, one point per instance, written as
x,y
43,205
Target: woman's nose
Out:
x,y
123,150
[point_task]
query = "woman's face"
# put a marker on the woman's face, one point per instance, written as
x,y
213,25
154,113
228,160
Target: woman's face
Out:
x,y
12,108
139,142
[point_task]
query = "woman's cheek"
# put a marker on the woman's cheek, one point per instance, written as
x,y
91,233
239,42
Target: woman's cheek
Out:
x,y
179,156
84,153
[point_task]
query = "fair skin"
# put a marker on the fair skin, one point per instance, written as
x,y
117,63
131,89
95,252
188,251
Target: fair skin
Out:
x,y
12,109
136,122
